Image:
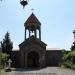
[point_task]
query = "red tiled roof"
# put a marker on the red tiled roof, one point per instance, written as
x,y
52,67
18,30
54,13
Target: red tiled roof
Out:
x,y
32,19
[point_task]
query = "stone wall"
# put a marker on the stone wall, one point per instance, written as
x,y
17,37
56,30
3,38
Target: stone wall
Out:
x,y
53,57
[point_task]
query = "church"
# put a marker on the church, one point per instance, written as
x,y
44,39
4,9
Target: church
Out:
x,y
32,51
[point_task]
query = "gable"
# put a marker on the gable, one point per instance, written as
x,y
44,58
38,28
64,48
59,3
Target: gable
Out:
x,y
32,41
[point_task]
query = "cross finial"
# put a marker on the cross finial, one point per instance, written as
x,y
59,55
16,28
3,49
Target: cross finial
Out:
x,y
32,9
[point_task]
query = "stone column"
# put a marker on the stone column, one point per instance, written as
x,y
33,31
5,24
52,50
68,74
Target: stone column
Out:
x,y
21,59
42,60
40,33
25,33
35,34
25,60
29,32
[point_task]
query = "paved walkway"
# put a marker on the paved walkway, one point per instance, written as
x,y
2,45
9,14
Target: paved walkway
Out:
x,y
44,71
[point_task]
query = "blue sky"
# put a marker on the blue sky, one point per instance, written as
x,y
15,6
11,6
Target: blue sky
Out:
x,y
57,18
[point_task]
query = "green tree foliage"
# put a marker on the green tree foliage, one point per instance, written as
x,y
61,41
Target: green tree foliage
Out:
x,y
69,59
3,59
73,46
6,44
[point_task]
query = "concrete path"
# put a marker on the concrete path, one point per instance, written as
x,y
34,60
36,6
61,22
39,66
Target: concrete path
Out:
x,y
44,71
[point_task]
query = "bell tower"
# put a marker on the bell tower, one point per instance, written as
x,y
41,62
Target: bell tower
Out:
x,y
32,27
32,49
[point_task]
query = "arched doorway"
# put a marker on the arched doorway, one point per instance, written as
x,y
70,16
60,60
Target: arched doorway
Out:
x,y
33,59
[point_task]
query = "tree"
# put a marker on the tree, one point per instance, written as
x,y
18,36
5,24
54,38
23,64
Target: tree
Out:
x,y
3,59
6,44
73,46
69,59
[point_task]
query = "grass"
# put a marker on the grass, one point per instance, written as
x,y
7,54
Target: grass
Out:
x,y
2,72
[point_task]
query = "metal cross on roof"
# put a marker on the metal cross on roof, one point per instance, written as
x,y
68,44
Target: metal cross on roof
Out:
x,y
32,9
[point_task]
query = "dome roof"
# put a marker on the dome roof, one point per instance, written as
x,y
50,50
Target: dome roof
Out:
x,y
32,20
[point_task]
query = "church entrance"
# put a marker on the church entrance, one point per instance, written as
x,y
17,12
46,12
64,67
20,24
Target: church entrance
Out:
x,y
33,59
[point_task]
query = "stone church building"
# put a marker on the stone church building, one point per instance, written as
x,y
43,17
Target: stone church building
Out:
x,y
32,51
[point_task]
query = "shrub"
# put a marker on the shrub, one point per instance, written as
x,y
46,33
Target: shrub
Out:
x,y
68,60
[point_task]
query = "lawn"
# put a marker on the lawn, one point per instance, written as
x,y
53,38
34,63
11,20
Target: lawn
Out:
x,y
2,72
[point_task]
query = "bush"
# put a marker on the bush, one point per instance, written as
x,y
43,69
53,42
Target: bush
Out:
x,y
67,64
68,60
3,58
1,66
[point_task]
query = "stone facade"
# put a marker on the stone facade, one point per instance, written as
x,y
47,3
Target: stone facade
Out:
x,y
51,57
34,46
32,51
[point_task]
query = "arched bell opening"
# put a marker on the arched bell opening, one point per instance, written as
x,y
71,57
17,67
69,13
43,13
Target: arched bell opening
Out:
x,y
33,25
33,59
